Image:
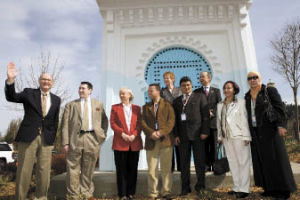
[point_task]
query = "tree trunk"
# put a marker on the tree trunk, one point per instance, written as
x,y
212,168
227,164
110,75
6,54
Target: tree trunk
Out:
x,y
297,115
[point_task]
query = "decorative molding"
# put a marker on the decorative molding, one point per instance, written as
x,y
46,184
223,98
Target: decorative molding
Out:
x,y
171,41
158,16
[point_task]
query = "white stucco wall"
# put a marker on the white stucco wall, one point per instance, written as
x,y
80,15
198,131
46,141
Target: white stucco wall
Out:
x,y
134,30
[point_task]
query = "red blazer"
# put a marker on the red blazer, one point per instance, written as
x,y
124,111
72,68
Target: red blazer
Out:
x,y
118,125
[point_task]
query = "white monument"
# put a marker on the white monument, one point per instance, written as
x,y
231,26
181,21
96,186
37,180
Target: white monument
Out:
x,y
142,39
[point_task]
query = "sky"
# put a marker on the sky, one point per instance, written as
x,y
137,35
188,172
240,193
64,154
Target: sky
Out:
x,y
71,31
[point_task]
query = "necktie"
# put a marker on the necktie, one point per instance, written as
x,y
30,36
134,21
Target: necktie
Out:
x,y
206,91
85,121
44,104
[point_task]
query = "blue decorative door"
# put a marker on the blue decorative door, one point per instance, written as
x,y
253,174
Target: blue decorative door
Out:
x,y
181,61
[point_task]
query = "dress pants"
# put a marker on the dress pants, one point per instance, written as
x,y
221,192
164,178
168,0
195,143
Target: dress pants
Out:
x,y
211,147
126,164
29,153
80,167
239,159
164,155
198,147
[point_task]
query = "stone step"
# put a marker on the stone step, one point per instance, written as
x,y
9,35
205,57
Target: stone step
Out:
x,y
105,183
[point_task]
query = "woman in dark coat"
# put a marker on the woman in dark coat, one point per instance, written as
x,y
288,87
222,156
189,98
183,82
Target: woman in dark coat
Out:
x,y
271,165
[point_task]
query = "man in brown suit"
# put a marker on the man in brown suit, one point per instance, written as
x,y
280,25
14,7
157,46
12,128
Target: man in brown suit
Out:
x,y
84,127
158,120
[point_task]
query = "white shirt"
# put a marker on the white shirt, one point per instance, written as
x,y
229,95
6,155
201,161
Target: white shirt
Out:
x,y
48,100
206,88
89,110
186,97
128,114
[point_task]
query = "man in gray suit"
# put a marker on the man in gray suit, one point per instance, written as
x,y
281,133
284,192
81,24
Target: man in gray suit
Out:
x,y
84,127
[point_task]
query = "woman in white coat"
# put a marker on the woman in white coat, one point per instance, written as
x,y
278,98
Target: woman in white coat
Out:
x,y
234,133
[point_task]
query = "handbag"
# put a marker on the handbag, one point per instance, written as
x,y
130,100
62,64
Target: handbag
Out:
x,y
221,165
270,112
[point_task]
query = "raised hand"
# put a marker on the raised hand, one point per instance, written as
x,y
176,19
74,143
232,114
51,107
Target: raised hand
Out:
x,y
11,72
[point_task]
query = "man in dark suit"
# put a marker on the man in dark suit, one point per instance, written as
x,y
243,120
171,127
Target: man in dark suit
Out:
x,y
213,97
191,129
37,132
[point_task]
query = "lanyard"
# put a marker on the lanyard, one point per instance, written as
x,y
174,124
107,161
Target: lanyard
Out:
x,y
185,101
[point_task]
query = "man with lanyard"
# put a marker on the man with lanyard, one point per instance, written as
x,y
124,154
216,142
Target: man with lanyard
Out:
x,y
158,120
191,129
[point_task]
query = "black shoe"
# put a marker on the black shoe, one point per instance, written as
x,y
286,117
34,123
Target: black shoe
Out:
x,y
207,168
241,195
184,193
266,194
231,192
167,197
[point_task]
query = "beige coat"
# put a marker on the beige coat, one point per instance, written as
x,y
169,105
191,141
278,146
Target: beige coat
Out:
x,y
237,119
72,120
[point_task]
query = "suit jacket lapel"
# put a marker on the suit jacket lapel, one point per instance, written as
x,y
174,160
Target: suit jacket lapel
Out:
x,y
93,107
52,103
210,93
38,99
231,108
190,100
122,117
133,117
151,108
78,108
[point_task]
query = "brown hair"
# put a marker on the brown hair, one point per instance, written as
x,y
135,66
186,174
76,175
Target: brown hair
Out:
x,y
236,87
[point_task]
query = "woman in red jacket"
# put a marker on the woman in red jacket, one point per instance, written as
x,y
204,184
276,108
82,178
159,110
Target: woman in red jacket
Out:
x,y
127,143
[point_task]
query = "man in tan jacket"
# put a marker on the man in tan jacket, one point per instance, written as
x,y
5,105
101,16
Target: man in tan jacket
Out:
x,y
158,120
84,127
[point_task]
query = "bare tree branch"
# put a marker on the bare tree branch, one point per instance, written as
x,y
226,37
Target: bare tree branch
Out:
x,y
44,63
286,56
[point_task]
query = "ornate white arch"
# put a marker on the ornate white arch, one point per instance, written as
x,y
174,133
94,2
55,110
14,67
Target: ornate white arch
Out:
x,y
171,41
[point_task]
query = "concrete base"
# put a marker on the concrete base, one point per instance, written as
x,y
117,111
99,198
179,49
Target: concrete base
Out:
x,y
105,183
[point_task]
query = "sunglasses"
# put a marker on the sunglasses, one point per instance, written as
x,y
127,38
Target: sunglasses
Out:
x,y
252,78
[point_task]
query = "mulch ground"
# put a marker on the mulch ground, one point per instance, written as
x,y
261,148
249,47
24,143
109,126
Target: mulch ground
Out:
x,y
7,189
7,193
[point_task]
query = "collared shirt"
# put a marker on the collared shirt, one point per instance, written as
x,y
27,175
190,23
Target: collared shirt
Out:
x,y
128,114
89,111
48,100
186,97
206,88
185,100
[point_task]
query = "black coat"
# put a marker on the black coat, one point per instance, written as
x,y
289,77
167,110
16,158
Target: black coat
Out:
x,y
33,118
213,98
271,165
197,117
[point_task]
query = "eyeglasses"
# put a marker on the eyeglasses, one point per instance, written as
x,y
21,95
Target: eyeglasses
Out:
x,y
252,78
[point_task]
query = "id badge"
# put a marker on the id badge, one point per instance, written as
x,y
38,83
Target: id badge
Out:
x,y
183,117
156,126
253,119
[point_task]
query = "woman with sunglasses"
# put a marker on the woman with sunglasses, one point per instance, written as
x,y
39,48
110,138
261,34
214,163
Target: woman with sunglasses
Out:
x,y
233,132
267,122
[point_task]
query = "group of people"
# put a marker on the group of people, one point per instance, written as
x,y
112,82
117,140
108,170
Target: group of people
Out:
x,y
176,123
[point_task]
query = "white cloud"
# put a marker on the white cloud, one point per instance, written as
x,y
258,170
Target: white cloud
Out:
x,y
67,28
